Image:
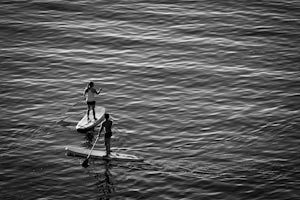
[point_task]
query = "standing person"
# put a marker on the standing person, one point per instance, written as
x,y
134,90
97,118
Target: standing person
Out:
x,y
107,124
89,94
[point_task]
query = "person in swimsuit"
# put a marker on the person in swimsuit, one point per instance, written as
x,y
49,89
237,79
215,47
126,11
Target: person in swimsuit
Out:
x,y
107,124
89,94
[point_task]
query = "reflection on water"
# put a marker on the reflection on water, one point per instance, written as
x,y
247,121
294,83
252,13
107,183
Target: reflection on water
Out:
x,y
105,182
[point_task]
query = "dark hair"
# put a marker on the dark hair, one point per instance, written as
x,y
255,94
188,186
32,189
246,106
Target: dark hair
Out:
x,y
106,115
91,84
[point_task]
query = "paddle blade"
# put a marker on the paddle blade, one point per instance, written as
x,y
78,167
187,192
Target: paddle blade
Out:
x,y
85,163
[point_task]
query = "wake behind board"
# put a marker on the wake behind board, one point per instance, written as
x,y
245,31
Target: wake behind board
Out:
x,y
85,125
84,152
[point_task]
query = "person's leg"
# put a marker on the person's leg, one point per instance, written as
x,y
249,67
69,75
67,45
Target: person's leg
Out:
x,y
107,146
94,113
88,112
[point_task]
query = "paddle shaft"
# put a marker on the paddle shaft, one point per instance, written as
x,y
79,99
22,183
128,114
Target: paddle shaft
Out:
x,y
94,144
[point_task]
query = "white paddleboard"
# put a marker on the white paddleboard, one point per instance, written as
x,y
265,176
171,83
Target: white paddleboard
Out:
x,y
84,124
84,152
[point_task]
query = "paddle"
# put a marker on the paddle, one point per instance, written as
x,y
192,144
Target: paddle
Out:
x,y
85,163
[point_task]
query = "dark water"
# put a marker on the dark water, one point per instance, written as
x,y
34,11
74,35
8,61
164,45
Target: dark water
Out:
x,y
206,91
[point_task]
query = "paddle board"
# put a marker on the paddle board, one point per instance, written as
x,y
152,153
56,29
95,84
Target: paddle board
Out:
x,y
84,152
85,125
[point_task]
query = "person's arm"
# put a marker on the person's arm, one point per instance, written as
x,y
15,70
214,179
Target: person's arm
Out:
x,y
84,92
98,92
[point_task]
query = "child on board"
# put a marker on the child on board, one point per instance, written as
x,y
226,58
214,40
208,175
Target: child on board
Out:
x,y
89,94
